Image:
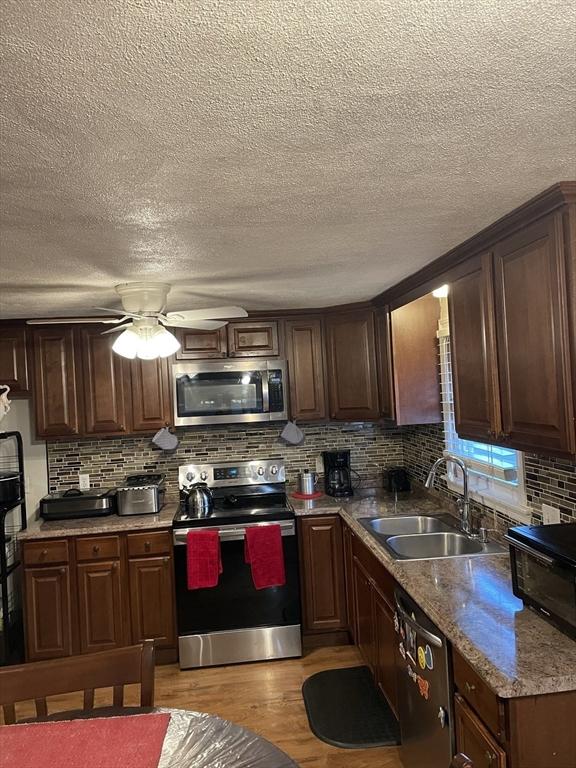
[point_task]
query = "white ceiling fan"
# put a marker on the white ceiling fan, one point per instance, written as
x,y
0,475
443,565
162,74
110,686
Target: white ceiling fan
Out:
x,y
144,335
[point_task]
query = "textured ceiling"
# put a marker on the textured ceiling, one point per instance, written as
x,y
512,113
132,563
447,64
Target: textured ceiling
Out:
x,y
271,153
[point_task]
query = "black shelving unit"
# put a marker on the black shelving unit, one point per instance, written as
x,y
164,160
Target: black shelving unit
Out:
x,y
12,521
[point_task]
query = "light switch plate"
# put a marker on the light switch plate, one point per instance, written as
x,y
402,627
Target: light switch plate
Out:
x,y
84,482
550,514
319,464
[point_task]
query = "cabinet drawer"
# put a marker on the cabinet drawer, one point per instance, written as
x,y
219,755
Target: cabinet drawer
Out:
x,y
141,544
477,694
98,548
474,740
44,552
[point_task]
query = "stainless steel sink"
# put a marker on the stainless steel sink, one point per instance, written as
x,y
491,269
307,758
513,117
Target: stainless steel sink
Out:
x,y
422,537
393,526
423,547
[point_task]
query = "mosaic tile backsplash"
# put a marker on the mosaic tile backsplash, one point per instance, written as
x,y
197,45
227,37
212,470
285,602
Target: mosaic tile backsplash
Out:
x,y
108,461
372,449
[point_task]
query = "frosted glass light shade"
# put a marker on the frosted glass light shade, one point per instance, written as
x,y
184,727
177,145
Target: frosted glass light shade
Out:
x,y
126,344
165,343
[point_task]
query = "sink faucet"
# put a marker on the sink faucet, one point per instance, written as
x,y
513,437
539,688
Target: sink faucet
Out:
x,y
466,521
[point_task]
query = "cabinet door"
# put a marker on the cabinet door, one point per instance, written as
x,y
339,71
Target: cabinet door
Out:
x,y
100,605
151,600
532,324
198,345
253,339
305,355
474,739
416,362
151,403
48,620
473,350
385,369
55,394
385,649
104,378
322,560
353,382
347,537
364,615
13,358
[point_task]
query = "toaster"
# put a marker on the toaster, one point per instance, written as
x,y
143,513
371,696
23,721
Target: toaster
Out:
x,y
141,495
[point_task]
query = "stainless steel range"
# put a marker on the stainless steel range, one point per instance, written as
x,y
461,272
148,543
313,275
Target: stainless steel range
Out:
x,y
235,622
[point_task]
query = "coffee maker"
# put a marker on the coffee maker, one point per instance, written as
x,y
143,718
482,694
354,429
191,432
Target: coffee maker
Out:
x,y
337,473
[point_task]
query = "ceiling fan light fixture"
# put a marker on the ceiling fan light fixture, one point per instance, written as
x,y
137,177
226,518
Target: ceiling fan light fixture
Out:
x,y
164,343
126,344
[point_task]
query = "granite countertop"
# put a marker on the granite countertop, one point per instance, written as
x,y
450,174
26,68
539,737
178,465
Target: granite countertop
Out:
x,y
50,529
471,601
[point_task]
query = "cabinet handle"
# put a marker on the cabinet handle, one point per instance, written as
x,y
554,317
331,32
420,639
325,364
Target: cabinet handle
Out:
x,y
44,552
489,758
115,566
62,570
469,687
147,546
166,559
95,549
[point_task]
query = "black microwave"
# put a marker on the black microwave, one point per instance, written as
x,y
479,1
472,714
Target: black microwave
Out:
x,y
543,559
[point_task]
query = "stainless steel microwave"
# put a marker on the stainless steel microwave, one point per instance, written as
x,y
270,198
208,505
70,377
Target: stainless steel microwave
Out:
x,y
229,391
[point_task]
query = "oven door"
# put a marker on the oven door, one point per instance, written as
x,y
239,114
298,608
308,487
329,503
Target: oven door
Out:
x,y
545,584
234,621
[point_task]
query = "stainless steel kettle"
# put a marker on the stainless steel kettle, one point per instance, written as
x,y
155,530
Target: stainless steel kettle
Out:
x,y
200,500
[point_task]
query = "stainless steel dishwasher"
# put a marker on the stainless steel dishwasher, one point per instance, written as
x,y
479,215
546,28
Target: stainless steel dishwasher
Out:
x,y
424,689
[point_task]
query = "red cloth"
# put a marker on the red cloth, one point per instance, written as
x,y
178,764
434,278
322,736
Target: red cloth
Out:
x,y
131,741
263,550
204,560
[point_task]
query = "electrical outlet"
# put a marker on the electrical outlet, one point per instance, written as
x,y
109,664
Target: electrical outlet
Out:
x,y
319,464
84,482
550,514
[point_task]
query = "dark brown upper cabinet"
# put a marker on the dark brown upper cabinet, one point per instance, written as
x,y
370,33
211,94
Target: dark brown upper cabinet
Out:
x,y
151,402
14,358
55,390
385,368
105,383
532,322
352,379
252,338
201,345
305,353
415,366
474,352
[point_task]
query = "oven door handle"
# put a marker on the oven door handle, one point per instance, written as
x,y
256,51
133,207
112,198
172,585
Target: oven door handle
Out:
x,y
233,532
525,548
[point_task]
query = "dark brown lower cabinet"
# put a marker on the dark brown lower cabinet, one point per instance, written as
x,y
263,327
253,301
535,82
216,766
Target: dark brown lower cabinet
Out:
x,y
474,739
322,566
151,605
385,648
100,606
364,622
47,612
107,592
348,539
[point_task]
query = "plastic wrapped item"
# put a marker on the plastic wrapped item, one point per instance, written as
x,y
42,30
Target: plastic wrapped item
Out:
x,y
198,740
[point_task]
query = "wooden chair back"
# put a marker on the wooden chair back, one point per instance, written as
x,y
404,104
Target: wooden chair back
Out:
x,y
105,669
461,761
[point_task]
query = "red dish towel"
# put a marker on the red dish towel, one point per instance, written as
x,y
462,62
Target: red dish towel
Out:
x,y
130,741
263,550
204,561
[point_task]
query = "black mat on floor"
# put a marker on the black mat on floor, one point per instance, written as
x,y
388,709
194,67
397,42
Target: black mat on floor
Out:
x,y
345,709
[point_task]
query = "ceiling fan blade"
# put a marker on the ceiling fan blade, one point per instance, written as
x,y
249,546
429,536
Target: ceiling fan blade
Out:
x,y
201,325
120,312
69,320
212,313
117,328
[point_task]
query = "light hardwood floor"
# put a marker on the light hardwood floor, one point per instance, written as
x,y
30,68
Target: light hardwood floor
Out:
x,y
264,697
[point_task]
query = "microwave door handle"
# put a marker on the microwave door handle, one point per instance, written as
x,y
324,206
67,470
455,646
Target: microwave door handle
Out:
x,y
532,552
429,636
265,393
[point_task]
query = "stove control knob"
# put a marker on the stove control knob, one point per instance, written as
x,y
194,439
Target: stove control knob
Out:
x,y
260,471
190,476
203,476
273,469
